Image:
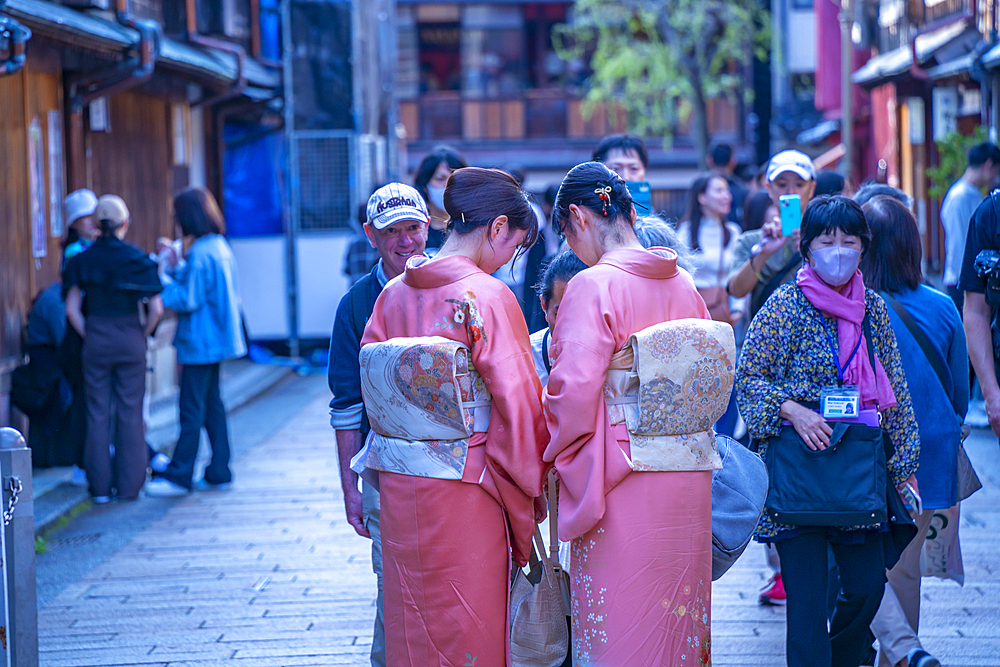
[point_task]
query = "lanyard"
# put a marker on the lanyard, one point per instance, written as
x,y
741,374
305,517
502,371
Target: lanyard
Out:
x,y
833,351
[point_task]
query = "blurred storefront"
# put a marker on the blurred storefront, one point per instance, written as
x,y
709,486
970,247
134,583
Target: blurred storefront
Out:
x,y
486,78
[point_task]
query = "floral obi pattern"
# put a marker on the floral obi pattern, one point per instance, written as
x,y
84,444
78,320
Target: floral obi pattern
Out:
x,y
669,385
424,401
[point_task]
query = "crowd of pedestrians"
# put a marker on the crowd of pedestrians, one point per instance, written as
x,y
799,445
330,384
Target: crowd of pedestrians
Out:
x,y
452,402
85,385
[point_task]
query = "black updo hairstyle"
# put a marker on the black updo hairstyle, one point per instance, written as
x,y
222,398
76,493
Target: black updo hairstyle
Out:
x,y
825,215
475,197
560,269
582,186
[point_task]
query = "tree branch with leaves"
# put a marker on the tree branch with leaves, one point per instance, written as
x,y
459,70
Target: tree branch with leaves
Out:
x,y
663,61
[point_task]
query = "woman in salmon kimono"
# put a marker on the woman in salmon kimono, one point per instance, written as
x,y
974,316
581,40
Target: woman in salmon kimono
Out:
x,y
447,543
640,520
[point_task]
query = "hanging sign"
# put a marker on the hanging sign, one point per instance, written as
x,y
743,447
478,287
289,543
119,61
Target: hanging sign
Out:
x,y
36,189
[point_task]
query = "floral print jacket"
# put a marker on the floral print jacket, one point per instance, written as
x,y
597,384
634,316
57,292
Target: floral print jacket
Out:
x,y
788,356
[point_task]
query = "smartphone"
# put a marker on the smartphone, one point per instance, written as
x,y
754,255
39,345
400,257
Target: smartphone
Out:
x,y
642,197
790,209
911,499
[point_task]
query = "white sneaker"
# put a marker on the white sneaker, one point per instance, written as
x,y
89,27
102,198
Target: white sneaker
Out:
x,y
164,488
159,462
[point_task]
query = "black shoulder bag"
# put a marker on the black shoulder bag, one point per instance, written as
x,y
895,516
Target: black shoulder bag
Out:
x,y
842,485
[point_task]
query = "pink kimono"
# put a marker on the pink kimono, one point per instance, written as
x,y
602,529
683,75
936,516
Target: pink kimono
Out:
x,y
446,544
641,567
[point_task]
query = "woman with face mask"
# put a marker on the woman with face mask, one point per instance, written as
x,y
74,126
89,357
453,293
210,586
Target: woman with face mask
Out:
x,y
430,181
806,339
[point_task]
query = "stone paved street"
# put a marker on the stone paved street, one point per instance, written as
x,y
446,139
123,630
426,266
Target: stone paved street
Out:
x,y
269,573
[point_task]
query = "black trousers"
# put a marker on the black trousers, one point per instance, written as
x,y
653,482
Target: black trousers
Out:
x,y
201,406
804,571
114,373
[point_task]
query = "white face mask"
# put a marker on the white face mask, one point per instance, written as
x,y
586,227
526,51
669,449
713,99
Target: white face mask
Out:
x,y
436,195
835,265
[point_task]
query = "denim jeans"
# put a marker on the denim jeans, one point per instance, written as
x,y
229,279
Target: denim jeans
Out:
x,y
201,406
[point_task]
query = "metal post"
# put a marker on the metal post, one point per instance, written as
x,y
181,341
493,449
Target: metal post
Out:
x,y
292,155
19,548
846,112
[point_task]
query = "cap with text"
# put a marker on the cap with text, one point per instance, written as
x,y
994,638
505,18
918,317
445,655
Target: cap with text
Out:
x,y
395,202
793,161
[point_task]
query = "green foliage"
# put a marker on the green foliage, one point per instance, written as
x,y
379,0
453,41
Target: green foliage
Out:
x,y
41,544
953,152
662,60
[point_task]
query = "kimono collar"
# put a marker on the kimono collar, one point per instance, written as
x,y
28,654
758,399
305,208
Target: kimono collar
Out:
x,y
657,263
424,273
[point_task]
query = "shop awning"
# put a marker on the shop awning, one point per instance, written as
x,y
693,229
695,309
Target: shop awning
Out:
x,y
818,132
938,47
991,59
97,34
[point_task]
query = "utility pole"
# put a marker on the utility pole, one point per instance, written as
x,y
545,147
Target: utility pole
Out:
x,y
846,112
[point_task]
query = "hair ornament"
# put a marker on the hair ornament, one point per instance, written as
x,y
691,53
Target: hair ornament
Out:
x,y
463,218
603,193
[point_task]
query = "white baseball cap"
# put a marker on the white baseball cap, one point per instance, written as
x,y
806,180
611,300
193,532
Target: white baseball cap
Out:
x,y
794,161
394,202
79,204
113,209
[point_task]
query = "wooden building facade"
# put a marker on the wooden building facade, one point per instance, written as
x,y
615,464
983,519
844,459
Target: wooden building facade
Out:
x,y
127,101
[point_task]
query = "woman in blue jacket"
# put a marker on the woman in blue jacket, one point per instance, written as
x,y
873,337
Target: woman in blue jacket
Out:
x,y
929,333
203,290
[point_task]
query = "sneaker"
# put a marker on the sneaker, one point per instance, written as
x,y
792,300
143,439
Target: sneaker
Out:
x,y
159,462
918,657
205,485
773,592
164,488
79,477
101,500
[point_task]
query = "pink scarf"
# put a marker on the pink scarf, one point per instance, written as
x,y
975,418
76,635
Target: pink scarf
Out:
x,y
848,307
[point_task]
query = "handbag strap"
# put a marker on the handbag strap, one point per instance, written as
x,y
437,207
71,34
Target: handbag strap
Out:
x,y
932,354
553,519
866,326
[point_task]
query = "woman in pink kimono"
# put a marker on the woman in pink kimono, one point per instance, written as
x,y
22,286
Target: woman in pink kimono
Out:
x,y
641,527
447,543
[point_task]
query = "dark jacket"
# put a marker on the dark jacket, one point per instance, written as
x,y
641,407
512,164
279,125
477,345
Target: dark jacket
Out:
x,y
344,372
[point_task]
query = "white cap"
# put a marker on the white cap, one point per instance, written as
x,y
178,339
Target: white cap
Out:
x,y
79,204
113,209
394,202
791,160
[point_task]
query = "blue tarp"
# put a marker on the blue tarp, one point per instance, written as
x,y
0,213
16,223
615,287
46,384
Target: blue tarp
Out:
x,y
253,180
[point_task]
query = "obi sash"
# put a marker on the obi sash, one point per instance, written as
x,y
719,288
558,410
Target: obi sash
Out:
x,y
424,401
669,385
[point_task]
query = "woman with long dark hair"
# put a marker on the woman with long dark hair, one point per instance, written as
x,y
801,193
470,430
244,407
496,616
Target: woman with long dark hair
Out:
x,y
457,431
203,290
931,341
430,180
116,283
712,239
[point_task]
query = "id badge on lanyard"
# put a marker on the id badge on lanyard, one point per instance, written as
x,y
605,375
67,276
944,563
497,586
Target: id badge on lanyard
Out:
x,y
840,401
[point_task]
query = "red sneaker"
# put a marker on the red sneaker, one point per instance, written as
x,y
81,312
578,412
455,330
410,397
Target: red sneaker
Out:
x,y
773,592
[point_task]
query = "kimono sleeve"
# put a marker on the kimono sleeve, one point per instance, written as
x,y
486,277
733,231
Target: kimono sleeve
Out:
x,y
582,436
517,435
